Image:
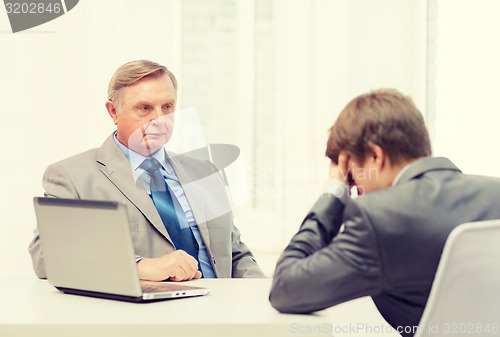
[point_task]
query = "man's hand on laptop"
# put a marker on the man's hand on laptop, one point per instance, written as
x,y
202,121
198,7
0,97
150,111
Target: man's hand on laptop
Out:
x,y
175,266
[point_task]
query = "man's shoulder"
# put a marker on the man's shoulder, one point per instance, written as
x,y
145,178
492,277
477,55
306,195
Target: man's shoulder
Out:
x,y
431,195
80,159
107,150
482,180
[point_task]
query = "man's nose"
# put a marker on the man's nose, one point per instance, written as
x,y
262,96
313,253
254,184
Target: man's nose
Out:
x,y
157,113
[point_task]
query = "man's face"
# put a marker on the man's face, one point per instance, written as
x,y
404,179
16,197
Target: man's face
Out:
x,y
145,118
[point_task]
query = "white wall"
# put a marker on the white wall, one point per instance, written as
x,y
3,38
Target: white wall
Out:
x,y
468,86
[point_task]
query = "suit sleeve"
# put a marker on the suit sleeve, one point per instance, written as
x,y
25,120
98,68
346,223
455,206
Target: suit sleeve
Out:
x,y
57,184
244,264
322,267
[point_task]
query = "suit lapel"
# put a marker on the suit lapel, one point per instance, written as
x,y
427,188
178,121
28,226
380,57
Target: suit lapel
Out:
x,y
194,193
116,167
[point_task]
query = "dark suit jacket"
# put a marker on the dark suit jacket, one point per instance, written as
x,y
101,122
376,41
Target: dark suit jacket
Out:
x,y
106,174
391,244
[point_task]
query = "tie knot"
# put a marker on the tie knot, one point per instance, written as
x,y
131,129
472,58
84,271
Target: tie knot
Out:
x,y
151,165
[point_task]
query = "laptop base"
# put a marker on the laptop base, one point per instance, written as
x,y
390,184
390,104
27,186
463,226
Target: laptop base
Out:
x,y
123,298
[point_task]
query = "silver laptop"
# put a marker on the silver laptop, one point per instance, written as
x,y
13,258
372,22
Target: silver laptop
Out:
x,y
87,249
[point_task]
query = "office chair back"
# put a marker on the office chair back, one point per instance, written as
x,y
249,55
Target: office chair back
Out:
x,y
465,296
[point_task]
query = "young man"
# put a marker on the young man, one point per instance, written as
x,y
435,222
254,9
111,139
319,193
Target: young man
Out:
x,y
181,223
395,230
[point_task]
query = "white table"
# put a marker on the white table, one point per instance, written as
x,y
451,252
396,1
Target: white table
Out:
x,y
235,307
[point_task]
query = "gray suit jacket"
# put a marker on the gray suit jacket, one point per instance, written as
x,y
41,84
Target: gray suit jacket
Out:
x,y
106,174
391,244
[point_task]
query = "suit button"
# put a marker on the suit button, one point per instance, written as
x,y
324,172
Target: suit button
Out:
x,y
197,246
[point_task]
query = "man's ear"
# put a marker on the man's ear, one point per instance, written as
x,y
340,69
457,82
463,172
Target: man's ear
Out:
x,y
110,106
377,156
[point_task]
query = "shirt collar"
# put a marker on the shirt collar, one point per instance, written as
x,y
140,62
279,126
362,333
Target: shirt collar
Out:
x,y
136,159
396,180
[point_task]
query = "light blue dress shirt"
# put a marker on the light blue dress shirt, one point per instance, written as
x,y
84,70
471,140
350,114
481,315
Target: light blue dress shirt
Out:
x,y
181,204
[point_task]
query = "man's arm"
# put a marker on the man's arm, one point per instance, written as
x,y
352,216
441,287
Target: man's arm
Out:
x,y
320,267
244,264
315,271
57,184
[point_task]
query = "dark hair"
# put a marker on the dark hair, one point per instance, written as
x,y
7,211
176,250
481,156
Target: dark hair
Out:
x,y
383,117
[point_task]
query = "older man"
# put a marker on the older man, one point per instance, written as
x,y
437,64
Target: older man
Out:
x,y
179,214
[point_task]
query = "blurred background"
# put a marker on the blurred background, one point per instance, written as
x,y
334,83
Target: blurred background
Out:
x,y
269,76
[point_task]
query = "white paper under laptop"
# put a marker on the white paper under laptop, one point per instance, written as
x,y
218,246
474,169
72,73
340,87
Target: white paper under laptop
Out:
x,y
87,249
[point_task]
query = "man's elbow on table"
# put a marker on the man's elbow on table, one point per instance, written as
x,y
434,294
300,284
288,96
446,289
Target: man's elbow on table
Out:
x,y
286,301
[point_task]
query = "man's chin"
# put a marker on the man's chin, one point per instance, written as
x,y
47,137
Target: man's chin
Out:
x,y
149,148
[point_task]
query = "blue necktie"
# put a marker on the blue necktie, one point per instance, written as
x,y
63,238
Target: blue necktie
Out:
x,y
161,194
